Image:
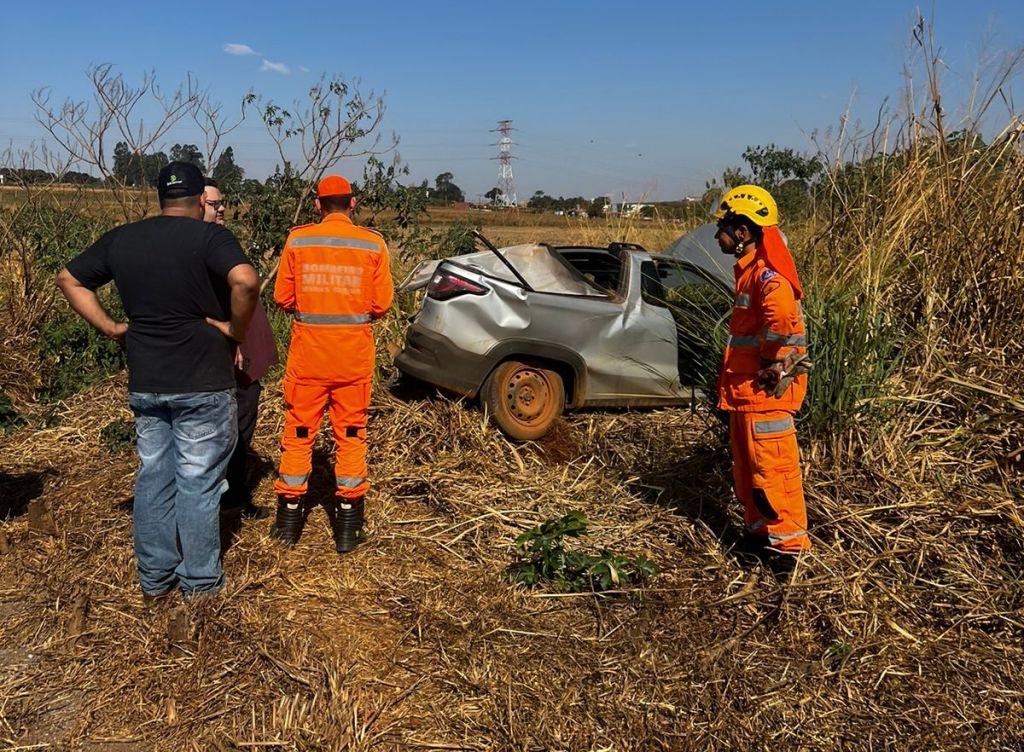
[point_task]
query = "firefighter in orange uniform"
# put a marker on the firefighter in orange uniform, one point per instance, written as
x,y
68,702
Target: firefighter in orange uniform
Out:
x,y
764,377
335,279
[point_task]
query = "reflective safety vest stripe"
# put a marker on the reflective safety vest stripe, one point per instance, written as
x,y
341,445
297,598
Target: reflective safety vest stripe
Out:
x,y
294,480
335,242
793,340
332,319
772,426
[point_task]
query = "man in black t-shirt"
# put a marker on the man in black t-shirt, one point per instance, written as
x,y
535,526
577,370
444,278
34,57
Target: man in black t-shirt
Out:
x,y
189,292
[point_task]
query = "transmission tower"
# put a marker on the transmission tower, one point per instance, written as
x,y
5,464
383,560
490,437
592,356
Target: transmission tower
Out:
x,y
506,182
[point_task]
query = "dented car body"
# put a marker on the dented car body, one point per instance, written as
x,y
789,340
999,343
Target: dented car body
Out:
x,y
532,329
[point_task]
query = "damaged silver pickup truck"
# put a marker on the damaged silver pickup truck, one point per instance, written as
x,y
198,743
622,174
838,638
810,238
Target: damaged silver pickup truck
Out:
x,y
533,329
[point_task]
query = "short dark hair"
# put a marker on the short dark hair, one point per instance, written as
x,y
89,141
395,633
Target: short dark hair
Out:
x,y
210,183
336,203
185,202
740,220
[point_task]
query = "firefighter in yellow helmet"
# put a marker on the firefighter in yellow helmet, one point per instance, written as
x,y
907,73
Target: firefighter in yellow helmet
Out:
x,y
764,376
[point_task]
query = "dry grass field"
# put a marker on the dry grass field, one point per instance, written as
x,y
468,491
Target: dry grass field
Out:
x,y
890,637
901,630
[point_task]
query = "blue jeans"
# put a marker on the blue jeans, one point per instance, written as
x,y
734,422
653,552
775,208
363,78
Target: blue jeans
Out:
x,y
184,444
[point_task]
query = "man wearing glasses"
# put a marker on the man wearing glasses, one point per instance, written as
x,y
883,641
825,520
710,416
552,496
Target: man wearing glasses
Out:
x,y
255,357
214,202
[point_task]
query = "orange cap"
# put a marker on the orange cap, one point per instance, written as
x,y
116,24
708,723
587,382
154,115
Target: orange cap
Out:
x,y
333,185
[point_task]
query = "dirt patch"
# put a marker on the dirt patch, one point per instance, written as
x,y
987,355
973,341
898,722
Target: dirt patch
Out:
x,y
558,446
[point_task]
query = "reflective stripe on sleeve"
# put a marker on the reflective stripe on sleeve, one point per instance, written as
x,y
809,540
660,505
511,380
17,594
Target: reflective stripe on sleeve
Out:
x,y
344,481
335,242
743,300
293,480
772,426
751,340
795,340
332,319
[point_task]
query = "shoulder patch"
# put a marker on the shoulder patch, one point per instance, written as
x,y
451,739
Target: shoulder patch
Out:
x,y
766,275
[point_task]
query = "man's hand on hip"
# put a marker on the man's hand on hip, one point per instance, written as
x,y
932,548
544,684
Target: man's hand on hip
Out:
x,y
224,327
118,332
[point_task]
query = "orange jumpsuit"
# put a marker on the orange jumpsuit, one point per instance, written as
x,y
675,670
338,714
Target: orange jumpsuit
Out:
x,y
335,278
766,325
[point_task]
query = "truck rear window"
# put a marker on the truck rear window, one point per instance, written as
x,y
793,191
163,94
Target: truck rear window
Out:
x,y
601,268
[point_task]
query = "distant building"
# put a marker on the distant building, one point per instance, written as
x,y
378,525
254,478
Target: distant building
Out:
x,y
634,210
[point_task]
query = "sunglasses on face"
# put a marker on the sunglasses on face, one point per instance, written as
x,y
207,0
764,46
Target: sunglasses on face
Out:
x,y
215,204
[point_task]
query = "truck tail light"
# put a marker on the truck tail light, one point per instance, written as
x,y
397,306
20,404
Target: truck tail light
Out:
x,y
445,285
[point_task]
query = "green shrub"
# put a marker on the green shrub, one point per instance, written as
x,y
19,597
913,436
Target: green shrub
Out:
x,y
58,235
73,355
855,350
701,314
544,558
9,418
118,435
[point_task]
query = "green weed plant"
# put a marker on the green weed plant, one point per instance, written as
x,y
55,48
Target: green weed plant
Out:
x,y
118,435
545,559
9,417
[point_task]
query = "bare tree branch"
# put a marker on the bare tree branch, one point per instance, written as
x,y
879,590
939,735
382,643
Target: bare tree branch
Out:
x,y
215,125
335,122
86,129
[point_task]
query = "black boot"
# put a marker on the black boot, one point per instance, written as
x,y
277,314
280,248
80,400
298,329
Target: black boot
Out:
x,y
781,564
346,517
288,525
750,548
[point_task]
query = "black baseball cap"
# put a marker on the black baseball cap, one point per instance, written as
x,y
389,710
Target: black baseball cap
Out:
x,y
179,180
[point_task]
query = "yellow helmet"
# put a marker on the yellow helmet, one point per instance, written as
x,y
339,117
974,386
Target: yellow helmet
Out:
x,y
750,201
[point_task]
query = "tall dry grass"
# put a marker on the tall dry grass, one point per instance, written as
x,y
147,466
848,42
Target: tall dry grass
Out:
x,y
914,261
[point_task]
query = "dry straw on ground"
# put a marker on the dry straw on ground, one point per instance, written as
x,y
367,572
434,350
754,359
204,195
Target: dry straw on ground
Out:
x,y
902,630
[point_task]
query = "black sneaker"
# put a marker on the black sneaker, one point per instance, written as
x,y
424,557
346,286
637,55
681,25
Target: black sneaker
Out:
x,y
346,517
288,524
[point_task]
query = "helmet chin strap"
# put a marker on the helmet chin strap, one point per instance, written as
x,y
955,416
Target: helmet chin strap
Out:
x,y
740,245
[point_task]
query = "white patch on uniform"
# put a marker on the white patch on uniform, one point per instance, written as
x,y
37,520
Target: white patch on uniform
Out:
x,y
767,274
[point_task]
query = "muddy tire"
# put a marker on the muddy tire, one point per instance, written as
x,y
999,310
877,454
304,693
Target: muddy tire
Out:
x,y
524,400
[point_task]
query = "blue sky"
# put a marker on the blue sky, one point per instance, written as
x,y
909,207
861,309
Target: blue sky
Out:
x,y
646,98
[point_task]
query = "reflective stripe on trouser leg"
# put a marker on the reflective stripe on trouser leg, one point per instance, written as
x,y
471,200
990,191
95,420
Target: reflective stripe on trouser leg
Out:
x,y
777,505
349,405
303,410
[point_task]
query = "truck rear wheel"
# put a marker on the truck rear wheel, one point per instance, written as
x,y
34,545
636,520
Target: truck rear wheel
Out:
x,y
524,400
